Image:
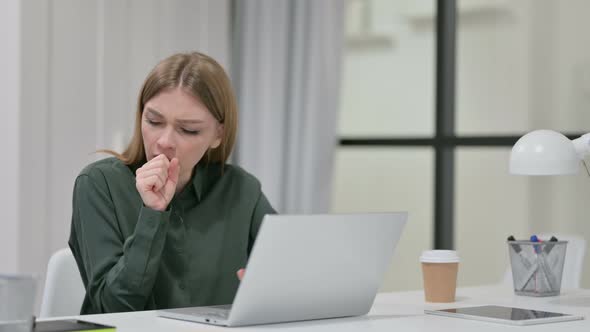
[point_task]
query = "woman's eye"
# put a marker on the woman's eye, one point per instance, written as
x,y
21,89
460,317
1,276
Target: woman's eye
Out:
x,y
189,132
153,123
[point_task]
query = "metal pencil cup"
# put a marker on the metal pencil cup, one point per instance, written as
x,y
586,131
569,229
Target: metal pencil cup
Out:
x,y
537,267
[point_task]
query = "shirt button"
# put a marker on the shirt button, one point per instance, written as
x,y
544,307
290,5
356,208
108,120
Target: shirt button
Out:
x,y
181,286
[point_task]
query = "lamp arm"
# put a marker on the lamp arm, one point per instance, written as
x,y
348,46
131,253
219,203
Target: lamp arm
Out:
x,y
582,145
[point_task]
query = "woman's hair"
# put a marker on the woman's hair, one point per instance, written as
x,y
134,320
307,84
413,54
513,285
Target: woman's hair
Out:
x,y
201,76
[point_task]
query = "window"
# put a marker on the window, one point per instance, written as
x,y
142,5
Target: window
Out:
x,y
440,150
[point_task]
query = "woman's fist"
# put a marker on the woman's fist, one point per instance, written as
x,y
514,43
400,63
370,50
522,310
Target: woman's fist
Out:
x,y
156,182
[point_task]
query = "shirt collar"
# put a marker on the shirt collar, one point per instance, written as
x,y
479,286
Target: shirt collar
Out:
x,y
204,176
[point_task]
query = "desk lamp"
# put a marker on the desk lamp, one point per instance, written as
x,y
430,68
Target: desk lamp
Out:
x,y
546,152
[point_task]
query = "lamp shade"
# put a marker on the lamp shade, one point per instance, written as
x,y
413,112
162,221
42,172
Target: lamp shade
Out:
x,y
544,152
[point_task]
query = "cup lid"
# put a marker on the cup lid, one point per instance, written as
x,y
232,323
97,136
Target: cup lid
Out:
x,y
439,256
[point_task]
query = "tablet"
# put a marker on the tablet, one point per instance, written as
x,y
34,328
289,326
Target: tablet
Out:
x,y
505,315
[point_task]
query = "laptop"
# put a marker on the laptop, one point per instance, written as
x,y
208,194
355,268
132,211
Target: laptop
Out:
x,y
305,267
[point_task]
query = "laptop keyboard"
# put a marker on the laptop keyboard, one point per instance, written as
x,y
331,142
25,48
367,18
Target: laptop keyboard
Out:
x,y
217,314
221,311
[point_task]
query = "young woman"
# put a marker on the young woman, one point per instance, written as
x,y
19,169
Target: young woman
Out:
x,y
168,223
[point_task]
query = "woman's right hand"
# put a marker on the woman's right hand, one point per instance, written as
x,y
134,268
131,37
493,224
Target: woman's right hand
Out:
x,y
156,182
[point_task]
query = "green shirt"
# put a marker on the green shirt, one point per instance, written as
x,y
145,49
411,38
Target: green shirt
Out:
x,y
131,257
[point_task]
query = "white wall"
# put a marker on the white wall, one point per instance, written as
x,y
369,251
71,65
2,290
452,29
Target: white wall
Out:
x,y
9,132
82,66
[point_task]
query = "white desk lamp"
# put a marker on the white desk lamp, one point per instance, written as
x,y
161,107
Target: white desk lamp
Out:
x,y
546,152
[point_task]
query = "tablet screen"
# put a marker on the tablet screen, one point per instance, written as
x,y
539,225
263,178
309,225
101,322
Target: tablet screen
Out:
x,y
508,313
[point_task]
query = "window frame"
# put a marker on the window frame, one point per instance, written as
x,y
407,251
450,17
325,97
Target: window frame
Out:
x,y
445,141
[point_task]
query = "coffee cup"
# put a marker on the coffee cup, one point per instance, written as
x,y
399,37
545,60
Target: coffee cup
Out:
x,y
439,272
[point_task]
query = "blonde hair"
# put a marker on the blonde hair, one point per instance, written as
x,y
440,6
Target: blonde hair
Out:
x,y
204,78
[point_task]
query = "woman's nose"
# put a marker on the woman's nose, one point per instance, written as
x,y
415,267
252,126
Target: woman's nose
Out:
x,y
166,140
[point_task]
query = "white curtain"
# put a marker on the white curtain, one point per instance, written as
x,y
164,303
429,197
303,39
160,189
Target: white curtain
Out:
x,y
82,63
286,68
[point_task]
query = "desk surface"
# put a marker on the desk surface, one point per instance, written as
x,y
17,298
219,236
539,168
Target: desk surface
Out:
x,y
401,311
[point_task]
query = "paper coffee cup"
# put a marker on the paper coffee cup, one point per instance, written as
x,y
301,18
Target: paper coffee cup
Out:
x,y
439,272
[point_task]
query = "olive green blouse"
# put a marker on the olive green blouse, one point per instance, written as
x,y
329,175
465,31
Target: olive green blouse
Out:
x,y
131,257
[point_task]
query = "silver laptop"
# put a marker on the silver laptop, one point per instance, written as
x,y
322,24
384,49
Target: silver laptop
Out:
x,y
305,267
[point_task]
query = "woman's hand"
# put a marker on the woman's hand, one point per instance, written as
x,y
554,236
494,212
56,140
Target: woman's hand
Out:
x,y
156,182
240,273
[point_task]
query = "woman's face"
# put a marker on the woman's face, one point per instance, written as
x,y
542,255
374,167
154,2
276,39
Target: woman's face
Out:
x,y
177,124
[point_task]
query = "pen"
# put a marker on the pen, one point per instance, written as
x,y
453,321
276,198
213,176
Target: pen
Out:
x,y
552,261
548,247
534,238
520,281
541,262
514,246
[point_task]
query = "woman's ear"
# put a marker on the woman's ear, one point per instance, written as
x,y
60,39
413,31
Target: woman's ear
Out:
x,y
219,136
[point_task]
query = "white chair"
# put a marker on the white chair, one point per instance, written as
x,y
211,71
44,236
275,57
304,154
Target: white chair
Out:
x,y
64,290
573,265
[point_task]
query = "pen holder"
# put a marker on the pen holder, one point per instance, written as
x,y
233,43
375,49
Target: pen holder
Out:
x,y
537,267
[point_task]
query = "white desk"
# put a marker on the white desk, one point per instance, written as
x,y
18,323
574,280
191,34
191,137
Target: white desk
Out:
x,y
392,312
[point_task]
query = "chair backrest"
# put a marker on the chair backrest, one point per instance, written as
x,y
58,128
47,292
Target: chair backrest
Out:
x,y
64,290
573,265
